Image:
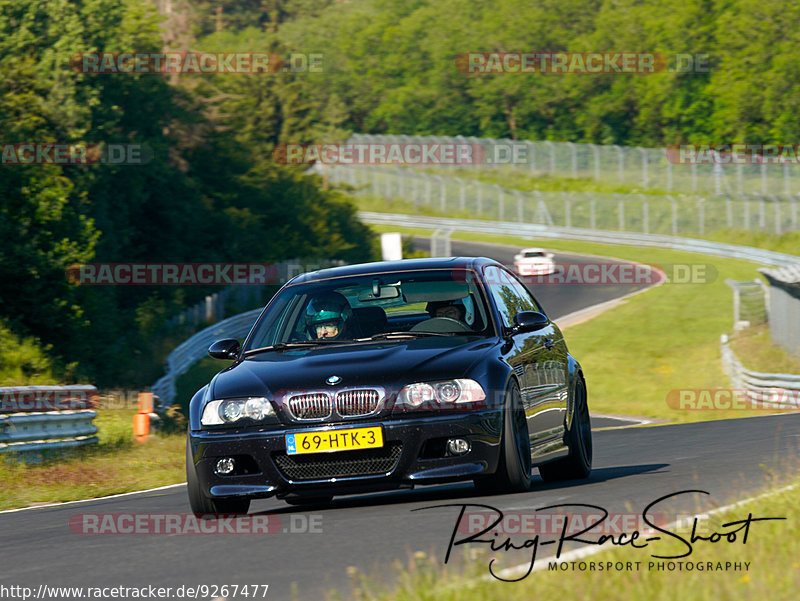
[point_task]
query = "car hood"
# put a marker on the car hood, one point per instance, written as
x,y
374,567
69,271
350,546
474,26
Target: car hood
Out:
x,y
388,363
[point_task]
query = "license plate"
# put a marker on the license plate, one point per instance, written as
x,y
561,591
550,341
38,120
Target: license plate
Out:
x,y
329,441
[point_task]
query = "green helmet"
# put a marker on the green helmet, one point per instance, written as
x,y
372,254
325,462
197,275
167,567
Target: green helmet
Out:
x,y
329,307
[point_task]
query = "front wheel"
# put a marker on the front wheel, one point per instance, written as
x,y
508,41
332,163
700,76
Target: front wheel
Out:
x,y
200,503
514,467
578,464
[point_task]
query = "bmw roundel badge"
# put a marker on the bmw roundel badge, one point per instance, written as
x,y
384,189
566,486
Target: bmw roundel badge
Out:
x,y
333,380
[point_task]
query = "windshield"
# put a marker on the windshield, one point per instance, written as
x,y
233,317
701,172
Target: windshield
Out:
x,y
419,302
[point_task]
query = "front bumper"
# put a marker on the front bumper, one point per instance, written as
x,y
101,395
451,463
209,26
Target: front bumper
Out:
x,y
413,454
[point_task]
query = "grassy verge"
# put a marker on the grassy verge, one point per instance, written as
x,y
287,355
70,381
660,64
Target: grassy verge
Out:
x,y
519,179
754,349
115,465
771,550
661,340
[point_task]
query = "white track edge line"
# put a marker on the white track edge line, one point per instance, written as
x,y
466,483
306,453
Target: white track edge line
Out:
x,y
116,496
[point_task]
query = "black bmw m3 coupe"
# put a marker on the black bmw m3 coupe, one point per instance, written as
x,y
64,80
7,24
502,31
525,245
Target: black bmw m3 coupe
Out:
x,y
389,375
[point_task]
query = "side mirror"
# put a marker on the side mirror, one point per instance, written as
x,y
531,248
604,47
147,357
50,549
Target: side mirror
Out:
x,y
228,348
529,321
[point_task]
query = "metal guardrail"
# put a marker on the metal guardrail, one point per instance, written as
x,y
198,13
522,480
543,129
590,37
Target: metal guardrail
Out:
x,y
193,349
779,390
535,230
23,429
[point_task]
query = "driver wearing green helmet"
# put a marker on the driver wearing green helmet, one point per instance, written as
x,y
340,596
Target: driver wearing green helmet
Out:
x,y
326,316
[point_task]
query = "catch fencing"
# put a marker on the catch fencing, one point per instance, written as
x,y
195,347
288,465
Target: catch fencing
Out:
x,y
637,167
669,214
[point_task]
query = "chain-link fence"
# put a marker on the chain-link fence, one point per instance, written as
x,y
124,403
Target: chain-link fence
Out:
x,y
671,214
636,167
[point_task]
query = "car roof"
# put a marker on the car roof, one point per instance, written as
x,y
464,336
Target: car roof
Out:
x,y
392,266
532,249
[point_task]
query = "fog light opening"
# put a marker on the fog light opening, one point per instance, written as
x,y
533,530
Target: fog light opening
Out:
x,y
225,466
458,446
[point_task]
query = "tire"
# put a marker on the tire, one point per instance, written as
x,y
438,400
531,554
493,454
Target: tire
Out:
x,y
201,504
514,467
578,464
309,500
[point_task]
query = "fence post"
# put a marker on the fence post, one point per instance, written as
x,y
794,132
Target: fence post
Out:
x,y
531,155
621,214
596,155
674,214
567,210
701,215
645,215
573,159
520,208
620,163
643,152
552,157
499,202
592,213
777,204
461,194
669,176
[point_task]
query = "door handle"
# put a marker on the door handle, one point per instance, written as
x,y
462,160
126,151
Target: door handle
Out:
x,y
549,342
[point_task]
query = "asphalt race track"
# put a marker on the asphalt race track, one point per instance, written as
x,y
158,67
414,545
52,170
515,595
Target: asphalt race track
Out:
x,y
632,467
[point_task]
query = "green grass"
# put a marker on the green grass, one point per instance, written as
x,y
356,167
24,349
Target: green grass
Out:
x,y
664,339
755,350
115,465
518,179
772,550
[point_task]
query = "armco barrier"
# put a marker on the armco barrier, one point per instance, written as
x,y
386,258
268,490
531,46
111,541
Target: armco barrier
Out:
x,y
760,385
44,418
193,349
535,230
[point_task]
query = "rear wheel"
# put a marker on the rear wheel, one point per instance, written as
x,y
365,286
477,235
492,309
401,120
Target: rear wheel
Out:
x,y
578,464
514,467
200,503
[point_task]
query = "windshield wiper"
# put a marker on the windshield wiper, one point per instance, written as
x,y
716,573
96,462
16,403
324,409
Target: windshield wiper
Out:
x,y
387,335
285,346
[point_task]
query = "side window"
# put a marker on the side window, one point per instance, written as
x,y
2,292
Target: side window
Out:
x,y
527,298
510,296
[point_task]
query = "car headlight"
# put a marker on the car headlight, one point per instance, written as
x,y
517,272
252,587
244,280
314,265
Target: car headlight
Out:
x,y
234,411
447,394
